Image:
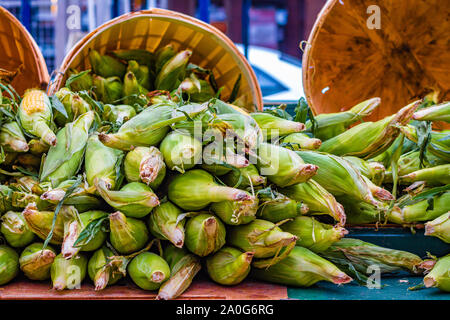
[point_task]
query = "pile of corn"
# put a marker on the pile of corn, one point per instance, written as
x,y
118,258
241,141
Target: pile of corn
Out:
x,y
139,168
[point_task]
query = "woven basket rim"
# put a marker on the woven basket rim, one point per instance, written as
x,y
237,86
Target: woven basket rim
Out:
x,y
41,66
164,14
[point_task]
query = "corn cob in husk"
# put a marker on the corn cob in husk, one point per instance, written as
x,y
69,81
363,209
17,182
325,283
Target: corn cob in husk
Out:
x,y
205,234
439,227
12,138
118,114
127,234
244,177
35,115
40,222
313,234
274,127
148,271
9,264
64,160
68,273
373,170
146,165
439,276
105,65
73,104
369,139
301,268
15,229
181,152
439,112
299,140
164,223
330,125
434,176
318,200
100,271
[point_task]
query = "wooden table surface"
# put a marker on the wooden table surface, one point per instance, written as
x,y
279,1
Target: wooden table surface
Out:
x,y
200,289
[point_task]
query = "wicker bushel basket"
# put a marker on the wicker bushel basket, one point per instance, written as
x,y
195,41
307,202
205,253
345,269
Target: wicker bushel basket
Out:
x,y
151,29
346,62
21,62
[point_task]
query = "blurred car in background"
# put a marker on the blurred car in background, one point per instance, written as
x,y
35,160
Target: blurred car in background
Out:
x,y
279,76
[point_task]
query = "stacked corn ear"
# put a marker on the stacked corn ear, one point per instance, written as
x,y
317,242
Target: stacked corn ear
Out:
x,y
139,167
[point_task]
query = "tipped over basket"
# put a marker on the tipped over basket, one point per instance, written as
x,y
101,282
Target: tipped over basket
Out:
x,y
21,62
152,29
396,50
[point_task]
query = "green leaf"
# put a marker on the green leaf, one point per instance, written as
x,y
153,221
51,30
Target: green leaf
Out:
x,y
423,130
235,91
74,77
90,231
426,195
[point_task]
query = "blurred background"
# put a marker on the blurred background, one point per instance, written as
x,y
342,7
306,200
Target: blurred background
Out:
x,y
268,32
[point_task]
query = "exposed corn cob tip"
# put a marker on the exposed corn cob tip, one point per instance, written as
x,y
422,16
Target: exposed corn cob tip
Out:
x,y
439,227
229,266
440,112
298,141
35,262
438,276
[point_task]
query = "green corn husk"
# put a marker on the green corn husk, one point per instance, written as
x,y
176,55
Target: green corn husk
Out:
x,y
236,212
149,127
205,234
12,138
73,104
79,81
164,223
181,152
38,147
359,212
6,194
439,144
330,125
274,127
118,114
439,275
100,270
68,273
101,163
74,225
106,66
378,192
162,55
173,70
313,234
410,162
148,271
338,176
146,165
439,175
439,227
318,200
301,268
250,177
439,112
373,170
15,229
40,222
35,262
35,115
283,166
369,139
229,266
356,256
127,234
9,264
276,207
262,237
64,160
219,160
142,74
298,141
422,207
107,90
134,199
183,270
132,89
196,189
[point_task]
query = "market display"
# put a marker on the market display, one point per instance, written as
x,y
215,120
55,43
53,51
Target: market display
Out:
x,y
141,168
